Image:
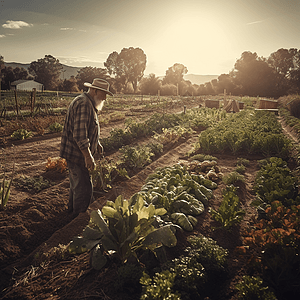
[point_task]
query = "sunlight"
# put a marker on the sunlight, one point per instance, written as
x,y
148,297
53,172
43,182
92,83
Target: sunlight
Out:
x,y
189,39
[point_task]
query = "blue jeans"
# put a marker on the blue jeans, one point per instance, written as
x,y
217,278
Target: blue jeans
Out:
x,y
81,188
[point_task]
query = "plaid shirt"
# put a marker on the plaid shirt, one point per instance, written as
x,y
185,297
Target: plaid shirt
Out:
x,y
81,129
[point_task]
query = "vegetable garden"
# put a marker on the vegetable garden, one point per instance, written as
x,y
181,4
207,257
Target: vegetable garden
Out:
x,y
190,203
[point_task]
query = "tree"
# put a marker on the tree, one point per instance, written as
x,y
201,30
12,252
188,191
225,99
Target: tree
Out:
x,y
174,75
87,74
150,85
286,62
46,71
10,74
225,83
127,67
254,77
69,85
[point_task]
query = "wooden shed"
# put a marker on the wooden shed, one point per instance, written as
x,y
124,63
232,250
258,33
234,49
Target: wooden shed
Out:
x,y
26,85
212,103
267,104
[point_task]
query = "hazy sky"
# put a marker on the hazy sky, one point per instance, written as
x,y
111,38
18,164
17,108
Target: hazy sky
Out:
x,y
207,36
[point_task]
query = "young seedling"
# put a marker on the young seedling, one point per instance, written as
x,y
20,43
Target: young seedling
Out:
x,y
5,186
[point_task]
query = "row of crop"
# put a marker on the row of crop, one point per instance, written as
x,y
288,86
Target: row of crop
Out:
x,y
195,119
249,132
170,199
272,243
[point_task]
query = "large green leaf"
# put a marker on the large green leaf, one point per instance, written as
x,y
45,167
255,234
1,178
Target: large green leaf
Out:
x,y
80,245
91,233
97,219
163,235
109,212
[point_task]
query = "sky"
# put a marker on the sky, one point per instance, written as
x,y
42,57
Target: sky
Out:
x,y
206,36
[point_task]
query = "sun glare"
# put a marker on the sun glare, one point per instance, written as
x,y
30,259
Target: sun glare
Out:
x,y
189,38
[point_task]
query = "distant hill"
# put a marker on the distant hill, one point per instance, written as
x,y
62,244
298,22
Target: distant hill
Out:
x,y
200,79
66,74
72,71
197,79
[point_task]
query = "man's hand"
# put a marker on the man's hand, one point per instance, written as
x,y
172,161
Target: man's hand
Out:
x,y
89,159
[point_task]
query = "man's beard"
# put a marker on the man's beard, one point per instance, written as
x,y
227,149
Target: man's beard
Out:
x,y
99,104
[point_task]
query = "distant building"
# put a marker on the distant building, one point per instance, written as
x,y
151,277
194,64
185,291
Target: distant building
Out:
x,y
26,85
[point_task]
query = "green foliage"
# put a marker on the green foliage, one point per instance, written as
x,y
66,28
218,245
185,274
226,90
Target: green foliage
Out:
x,y
55,127
33,184
121,229
275,181
202,157
136,157
242,161
105,173
155,148
252,288
182,195
211,255
229,212
246,132
202,267
160,287
234,178
21,134
241,169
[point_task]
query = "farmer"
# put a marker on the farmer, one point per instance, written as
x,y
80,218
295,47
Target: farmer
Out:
x,y
80,142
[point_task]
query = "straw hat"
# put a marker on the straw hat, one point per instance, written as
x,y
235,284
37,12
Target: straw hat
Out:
x,y
99,84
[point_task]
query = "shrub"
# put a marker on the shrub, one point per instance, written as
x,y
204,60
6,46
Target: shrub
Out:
x,y
251,288
21,134
160,287
55,127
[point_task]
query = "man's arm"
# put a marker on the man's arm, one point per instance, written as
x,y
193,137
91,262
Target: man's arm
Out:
x,y
89,159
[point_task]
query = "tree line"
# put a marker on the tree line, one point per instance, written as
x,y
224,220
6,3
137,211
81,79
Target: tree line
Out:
x,y
275,76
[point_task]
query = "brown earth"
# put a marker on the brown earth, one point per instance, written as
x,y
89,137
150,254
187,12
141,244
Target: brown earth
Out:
x,y
34,228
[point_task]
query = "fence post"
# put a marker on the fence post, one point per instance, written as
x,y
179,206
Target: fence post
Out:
x,y
16,100
33,99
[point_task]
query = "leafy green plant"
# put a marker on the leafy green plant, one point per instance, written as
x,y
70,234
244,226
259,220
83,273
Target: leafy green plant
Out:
x,y
160,287
211,255
33,184
105,173
55,127
241,169
201,267
182,194
136,157
252,288
21,134
242,161
229,212
5,187
275,181
121,229
233,178
202,157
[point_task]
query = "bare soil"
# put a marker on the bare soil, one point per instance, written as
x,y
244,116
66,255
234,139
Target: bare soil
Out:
x,y
35,226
